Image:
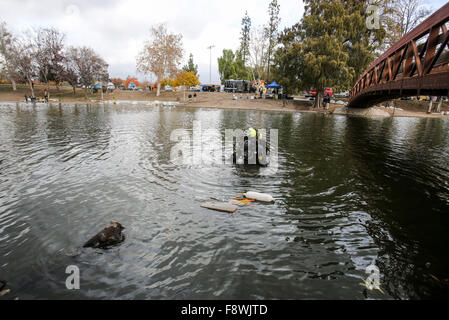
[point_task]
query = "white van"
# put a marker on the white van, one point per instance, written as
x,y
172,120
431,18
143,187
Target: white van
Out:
x,y
111,86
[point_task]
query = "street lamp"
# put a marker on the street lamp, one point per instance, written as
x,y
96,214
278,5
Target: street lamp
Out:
x,y
210,65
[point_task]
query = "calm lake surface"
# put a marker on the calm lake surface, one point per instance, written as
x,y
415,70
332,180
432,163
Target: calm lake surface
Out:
x,y
352,192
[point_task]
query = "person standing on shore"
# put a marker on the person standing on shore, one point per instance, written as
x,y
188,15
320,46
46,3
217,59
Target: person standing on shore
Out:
x,y
327,100
46,95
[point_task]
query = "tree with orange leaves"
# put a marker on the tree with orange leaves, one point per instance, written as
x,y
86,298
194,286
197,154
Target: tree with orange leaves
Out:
x,y
131,80
186,78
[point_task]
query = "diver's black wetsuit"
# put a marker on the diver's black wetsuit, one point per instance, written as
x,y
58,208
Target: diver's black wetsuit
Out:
x,y
257,159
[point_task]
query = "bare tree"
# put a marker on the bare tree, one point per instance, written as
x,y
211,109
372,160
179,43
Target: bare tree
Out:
x,y
89,66
258,48
7,50
161,56
70,73
24,54
49,44
401,17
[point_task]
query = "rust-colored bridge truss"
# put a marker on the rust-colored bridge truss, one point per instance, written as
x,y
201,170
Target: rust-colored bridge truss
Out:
x,y
418,64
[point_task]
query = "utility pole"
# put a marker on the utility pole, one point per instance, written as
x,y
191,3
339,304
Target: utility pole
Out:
x,y
210,65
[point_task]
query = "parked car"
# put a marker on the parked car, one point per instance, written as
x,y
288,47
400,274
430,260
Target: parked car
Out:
x,y
111,86
168,88
312,93
194,89
344,94
207,88
210,88
239,86
132,86
98,86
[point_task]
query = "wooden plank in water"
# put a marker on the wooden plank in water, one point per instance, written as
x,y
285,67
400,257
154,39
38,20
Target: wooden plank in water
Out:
x,y
218,206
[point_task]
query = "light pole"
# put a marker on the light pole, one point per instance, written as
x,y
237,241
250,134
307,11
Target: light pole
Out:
x,y
210,65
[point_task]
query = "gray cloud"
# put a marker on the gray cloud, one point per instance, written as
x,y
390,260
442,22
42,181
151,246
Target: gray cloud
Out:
x,y
117,29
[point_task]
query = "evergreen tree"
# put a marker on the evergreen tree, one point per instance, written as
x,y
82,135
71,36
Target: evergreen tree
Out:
x,y
271,31
288,60
245,38
336,44
231,66
191,66
226,66
361,43
241,70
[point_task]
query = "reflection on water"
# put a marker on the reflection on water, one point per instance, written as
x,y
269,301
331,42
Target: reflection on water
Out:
x,y
352,192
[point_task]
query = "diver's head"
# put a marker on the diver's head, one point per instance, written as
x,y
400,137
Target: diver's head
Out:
x,y
253,133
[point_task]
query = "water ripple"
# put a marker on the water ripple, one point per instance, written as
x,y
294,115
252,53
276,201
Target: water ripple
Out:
x,y
347,191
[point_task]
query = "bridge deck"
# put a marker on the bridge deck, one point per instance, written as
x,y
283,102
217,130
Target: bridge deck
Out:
x,y
418,64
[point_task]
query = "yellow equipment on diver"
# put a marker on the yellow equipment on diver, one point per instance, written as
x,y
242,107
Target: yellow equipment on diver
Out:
x,y
252,133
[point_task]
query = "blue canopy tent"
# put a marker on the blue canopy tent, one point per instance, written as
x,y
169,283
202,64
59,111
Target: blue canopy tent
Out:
x,y
273,85
275,91
98,85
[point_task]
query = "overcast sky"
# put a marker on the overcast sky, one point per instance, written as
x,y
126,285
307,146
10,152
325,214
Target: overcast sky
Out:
x,y
116,29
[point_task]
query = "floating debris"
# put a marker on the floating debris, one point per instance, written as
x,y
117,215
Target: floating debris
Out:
x,y
236,203
218,206
4,292
111,235
259,196
243,201
441,282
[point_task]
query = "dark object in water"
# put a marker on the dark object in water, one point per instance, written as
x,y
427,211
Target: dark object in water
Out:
x,y
3,284
259,155
111,235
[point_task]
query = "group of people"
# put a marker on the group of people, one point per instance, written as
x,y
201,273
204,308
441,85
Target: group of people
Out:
x,y
194,97
33,99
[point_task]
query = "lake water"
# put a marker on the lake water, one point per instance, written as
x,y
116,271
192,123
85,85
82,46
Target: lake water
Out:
x,y
351,193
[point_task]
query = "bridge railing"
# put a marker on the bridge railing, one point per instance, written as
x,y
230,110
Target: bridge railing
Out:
x,y
421,52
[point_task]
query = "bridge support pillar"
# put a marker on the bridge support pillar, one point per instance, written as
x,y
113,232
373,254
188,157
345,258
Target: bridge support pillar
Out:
x,y
429,111
440,99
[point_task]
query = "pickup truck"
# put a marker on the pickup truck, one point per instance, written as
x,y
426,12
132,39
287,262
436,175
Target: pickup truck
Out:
x,y
312,93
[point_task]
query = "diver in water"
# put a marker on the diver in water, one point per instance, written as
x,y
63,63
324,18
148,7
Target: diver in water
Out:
x,y
255,149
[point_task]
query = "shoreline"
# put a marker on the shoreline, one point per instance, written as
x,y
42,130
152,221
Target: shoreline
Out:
x,y
219,100
333,108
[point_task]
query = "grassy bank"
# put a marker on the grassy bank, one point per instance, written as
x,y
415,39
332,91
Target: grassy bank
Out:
x,y
65,94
